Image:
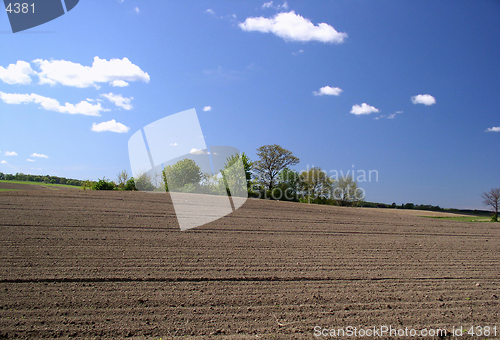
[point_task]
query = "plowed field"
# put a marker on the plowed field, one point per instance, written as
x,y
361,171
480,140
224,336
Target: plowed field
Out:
x,y
95,264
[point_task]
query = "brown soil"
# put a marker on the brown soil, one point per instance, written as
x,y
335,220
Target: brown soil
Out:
x,y
90,264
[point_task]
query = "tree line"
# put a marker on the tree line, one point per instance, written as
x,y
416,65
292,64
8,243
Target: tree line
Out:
x,y
269,177
40,178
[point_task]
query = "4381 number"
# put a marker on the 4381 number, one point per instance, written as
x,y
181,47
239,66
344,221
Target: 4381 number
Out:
x,y
20,8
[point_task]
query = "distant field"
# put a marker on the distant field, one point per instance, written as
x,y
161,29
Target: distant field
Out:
x,y
3,182
462,218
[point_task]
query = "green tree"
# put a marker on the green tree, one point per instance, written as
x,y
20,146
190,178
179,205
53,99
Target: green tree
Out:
x,y
492,199
103,184
235,176
85,184
316,184
180,174
287,187
20,176
248,165
130,185
143,182
272,160
346,192
2,176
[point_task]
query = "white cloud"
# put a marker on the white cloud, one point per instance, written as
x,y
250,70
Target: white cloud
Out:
x,y
67,73
425,99
328,91
210,11
173,144
118,83
119,100
3,162
207,108
270,5
50,104
10,153
391,116
298,52
267,4
493,129
137,10
293,27
284,6
198,152
39,155
30,160
111,126
363,109
121,1
18,73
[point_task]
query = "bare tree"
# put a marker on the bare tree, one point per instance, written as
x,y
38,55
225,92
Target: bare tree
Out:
x,y
492,198
122,177
273,159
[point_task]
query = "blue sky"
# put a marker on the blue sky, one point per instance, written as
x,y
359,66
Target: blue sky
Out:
x,y
407,88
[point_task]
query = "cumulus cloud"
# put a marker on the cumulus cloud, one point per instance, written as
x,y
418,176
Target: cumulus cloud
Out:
x,y
425,99
118,83
137,10
3,162
67,73
111,126
210,11
328,91
38,155
18,73
207,108
10,153
30,160
173,144
363,109
119,100
493,129
293,27
51,104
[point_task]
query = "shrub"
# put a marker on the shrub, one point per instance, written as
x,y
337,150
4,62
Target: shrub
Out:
x,y
103,184
143,183
494,218
130,185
